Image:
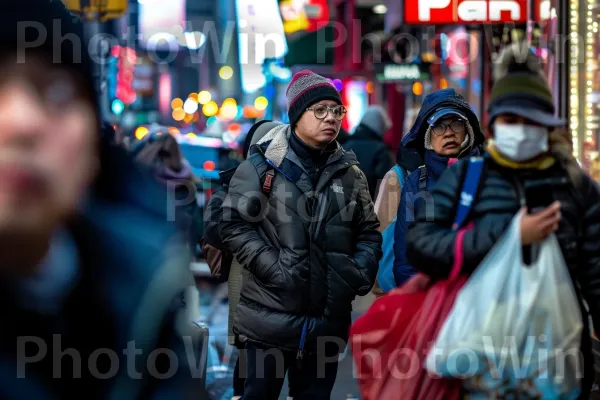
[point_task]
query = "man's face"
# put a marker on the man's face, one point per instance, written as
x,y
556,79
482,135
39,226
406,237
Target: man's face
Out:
x,y
447,135
48,146
318,128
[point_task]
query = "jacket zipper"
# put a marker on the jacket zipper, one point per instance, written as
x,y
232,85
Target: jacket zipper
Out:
x,y
300,354
520,191
313,202
313,205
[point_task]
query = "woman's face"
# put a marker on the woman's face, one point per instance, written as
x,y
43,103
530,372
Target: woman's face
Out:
x,y
48,134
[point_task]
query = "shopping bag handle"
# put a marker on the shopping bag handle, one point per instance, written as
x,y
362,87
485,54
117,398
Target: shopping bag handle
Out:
x,y
459,251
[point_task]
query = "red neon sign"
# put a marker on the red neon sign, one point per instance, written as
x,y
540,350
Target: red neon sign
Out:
x,y
465,11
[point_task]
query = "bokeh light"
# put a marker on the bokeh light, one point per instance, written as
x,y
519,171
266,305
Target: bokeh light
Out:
x,y
339,85
228,112
204,97
177,103
211,108
178,114
141,132
229,102
190,106
226,72
261,103
417,88
188,118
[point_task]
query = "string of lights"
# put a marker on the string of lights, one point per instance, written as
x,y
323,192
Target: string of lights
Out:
x,y
574,77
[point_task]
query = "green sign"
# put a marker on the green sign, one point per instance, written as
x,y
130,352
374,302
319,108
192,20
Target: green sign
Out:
x,y
403,72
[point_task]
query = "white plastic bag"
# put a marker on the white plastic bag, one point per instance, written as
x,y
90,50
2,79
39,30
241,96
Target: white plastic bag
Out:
x,y
514,328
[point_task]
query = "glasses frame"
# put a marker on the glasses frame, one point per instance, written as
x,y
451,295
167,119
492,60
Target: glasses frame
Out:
x,y
448,126
329,110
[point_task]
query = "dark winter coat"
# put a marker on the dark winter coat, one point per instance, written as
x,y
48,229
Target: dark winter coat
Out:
x,y
413,197
430,242
308,256
373,155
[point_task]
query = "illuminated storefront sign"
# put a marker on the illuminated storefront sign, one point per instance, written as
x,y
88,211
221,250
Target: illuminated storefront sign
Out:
x,y
402,72
465,11
161,22
260,36
356,100
304,15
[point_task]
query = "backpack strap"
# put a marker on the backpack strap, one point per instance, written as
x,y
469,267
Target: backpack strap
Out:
x,y
401,174
422,177
468,192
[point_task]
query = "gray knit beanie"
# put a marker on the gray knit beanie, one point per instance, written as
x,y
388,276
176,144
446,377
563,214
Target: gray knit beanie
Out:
x,y
305,89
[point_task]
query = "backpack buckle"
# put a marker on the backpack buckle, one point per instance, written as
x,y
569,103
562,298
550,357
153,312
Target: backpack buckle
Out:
x,y
268,183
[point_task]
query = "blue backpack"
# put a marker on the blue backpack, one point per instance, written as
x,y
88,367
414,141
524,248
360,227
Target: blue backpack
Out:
x,y
385,276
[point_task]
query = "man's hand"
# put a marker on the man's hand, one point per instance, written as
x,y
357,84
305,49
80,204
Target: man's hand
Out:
x,y
537,227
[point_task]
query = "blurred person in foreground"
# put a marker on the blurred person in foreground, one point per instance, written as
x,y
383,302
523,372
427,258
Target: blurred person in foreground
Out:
x,y
446,129
298,216
371,151
220,261
528,148
91,274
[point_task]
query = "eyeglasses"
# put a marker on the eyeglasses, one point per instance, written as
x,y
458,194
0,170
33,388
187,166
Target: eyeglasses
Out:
x,y
321,111
455,126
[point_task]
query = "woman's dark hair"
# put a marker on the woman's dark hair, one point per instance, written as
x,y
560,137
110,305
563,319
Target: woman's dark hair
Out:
x,y
159,150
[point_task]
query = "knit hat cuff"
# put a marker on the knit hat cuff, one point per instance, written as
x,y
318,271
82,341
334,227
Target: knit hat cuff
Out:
x,y
310,96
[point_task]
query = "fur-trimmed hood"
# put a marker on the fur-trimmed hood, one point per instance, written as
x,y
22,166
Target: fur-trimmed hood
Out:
x,y
279,138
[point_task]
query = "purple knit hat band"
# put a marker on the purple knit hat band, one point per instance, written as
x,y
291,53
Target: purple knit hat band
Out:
x,y
305,89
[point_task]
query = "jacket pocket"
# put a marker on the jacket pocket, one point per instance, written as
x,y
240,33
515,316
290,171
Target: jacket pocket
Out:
x,y
267,275
345,270
340,239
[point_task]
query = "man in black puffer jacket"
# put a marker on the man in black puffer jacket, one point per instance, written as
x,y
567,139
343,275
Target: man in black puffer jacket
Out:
x,y
527,152
299,217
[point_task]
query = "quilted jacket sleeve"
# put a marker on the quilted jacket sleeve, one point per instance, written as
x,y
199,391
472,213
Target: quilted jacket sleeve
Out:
x,y
589,271
367,239
243,208
430,239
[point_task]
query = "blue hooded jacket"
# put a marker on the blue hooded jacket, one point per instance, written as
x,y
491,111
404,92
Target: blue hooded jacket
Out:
x,y
411,198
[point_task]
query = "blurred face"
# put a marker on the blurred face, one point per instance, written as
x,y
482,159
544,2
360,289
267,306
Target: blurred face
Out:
x,y
447,135
47,147
320,123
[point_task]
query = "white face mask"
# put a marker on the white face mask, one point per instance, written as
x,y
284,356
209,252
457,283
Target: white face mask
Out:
x,y
521,142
